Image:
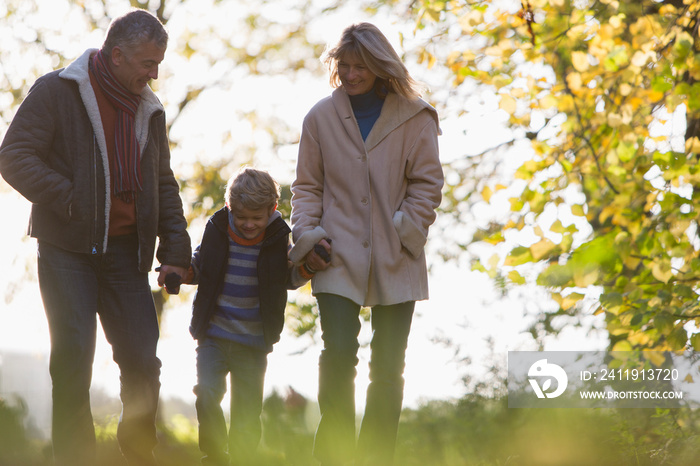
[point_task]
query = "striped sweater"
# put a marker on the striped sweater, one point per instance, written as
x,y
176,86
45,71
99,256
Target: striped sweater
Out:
x,y
210,269
237,316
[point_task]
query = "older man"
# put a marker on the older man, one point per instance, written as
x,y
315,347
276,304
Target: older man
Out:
x,y
88,147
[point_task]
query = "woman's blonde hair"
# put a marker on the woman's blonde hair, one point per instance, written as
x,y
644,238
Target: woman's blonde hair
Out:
x,y
368,43
252,189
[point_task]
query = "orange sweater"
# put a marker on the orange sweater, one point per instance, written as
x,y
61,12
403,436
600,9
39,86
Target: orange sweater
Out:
x,y
122,215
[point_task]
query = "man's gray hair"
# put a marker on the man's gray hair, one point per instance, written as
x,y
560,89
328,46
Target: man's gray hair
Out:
x,y
133,29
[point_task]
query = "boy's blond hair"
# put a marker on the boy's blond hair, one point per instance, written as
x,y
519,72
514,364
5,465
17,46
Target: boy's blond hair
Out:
x,y
252,189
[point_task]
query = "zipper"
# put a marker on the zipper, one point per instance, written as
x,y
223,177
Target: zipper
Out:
x,y
136,205
94,193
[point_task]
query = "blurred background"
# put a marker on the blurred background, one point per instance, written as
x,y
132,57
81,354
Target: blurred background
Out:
x,y
534,147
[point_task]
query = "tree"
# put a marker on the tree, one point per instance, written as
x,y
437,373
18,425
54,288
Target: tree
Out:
x,y
602,205
227,83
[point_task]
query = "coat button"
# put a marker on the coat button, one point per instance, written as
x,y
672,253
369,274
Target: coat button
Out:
x,y
365,244
364,201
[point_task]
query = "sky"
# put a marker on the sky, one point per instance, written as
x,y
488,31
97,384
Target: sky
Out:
x,y
463,308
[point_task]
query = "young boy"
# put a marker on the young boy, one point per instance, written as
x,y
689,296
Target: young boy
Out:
x,y
242,272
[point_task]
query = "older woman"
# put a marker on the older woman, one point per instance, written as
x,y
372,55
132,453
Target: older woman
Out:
x,y
369,180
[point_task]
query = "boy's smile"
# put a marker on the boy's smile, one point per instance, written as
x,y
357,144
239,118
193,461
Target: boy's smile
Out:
x,y
250,223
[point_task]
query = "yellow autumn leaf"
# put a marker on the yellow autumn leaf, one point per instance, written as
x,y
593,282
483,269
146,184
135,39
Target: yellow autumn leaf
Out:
x,y
655,357
631,262
574,81
661,270
515,277
639,58
577,210
580,61
679,227
508,104
548,101
517,92
692,145
614,120
541,248
571,300
607,212
586,276
617,21
638,338
622,345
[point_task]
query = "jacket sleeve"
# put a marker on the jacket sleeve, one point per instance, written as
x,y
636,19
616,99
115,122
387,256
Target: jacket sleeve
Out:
x,y
193,273
307,195
26,152
295,278
174,247
424,192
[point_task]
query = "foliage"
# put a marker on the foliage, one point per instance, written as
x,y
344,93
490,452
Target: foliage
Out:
x,y
16,446
477,430
601,199
221,55
483,431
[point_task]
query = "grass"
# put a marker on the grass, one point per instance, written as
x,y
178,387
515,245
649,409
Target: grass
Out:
x,y
473,431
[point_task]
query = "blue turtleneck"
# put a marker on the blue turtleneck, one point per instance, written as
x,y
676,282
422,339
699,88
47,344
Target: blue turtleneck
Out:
x,y
366,108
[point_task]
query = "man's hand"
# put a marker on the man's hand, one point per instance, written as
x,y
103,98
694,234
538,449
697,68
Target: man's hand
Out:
x,y
169,275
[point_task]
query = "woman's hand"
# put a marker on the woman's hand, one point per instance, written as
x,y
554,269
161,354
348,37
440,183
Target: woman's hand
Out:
x,y
314,262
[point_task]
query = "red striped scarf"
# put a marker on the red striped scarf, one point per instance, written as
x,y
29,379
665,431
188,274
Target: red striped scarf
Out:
x,y
125,166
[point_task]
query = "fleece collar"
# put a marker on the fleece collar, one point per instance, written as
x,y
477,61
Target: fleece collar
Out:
x,y
78,71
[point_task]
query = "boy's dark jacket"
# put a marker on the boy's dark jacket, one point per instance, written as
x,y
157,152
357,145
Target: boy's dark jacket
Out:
x,y
274,275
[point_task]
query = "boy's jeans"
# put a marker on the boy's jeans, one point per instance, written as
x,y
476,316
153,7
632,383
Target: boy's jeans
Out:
x,y
76,288
340,325
216,358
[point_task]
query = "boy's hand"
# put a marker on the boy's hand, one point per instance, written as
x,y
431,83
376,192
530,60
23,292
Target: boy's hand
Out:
x,y
315,260
171,276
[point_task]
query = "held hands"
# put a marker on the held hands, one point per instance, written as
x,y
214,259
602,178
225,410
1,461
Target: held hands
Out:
x,y
171,277
319,258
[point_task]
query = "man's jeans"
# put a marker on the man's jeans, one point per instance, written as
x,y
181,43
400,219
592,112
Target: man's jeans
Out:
x,y
340,325
216,358
76,288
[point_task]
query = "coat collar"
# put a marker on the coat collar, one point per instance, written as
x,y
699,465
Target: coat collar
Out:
x,y
395,111
78,71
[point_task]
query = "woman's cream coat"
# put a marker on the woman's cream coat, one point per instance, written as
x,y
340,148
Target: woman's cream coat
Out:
x,y
375,199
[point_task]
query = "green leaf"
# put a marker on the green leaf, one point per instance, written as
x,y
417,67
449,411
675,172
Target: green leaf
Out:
x,y
662,83
695,341
678,338
515,277
611,301
518,256
664,322
555,276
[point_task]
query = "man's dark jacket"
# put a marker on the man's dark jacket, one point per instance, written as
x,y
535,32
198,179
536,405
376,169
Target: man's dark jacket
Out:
x,y
274,275
55,155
